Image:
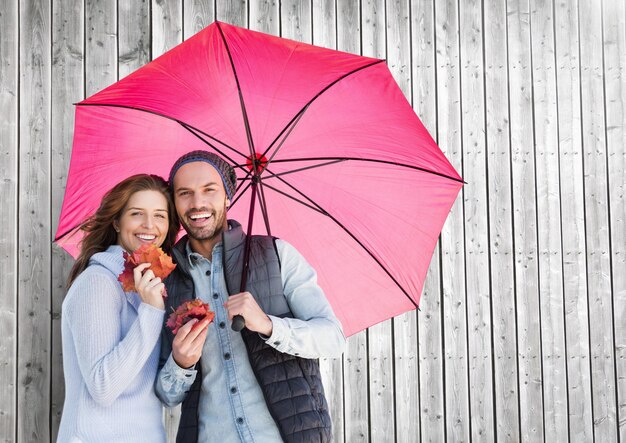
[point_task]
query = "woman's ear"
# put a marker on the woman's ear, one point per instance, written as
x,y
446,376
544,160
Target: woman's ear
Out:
x,y
116,226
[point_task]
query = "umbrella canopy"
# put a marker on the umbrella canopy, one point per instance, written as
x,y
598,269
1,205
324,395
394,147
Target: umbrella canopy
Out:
x,y
340,165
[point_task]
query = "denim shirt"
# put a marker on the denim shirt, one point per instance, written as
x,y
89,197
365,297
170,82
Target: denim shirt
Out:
x,y
232,407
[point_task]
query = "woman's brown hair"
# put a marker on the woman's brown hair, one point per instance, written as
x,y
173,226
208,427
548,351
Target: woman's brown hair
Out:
x,y
99,230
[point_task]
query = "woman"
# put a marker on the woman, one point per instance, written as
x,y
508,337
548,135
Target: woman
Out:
x,y
111,338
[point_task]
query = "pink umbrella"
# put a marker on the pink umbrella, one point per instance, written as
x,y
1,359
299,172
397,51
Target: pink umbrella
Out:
x,y
326,146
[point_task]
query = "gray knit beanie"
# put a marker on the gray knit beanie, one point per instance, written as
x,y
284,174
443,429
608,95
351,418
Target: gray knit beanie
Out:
x,y
226,171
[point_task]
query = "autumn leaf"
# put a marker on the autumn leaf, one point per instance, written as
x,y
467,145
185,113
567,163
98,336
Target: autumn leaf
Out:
x,y
188,310
160,263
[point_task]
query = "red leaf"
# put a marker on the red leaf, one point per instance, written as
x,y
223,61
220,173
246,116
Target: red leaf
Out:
x,y
188,310
126,278
160,263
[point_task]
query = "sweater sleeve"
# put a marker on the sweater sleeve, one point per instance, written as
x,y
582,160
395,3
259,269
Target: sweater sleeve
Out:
x,y
109,361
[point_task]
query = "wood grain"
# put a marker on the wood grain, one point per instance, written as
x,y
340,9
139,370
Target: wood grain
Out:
x,y
34,233
9,153
506,392
67,89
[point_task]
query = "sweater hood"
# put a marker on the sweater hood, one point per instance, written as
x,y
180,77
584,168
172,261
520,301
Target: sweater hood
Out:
x,y
112,259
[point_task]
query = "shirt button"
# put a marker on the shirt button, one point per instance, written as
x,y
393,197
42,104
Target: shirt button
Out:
x,y
222,325
208,272
227,356
240,420
233,390
277,343
216,296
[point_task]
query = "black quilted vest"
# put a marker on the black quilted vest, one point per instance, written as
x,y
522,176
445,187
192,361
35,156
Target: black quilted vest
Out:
x,y
292,386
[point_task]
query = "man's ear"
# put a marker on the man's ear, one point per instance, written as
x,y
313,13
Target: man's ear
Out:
x,y
227,203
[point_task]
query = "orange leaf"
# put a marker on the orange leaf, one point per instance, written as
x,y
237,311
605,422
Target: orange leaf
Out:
x,y
160,263
188,310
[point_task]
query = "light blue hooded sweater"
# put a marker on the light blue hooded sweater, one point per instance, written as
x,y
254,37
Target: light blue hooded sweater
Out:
x,y
110,358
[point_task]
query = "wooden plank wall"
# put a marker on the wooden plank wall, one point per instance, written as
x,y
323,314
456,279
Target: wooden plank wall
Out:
x,y
521,333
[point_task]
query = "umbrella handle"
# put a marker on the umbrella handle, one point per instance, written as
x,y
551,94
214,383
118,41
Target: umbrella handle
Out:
x,y
238,323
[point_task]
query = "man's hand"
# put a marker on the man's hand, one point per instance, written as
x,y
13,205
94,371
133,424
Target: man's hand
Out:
x,y
245,305
188,343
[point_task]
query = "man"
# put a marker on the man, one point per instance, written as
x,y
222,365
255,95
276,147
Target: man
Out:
x,y
263,384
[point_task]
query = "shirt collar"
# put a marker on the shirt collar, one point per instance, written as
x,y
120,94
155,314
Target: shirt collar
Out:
x,y
234,229
194,258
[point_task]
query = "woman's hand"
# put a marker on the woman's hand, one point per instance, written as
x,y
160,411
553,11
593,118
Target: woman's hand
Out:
x,y
149,287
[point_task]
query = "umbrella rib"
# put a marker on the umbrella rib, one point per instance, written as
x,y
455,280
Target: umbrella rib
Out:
x,y
243,181
295,199
113,105
248,185
66,233
321,210
331,160
280,174
241,101
304,108
197,132
193,131
291,126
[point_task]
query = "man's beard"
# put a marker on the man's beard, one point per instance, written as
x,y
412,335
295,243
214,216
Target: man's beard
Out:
x,y
207,232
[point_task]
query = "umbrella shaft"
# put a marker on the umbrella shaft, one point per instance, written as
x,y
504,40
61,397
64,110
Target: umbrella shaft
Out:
x,y
246,253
